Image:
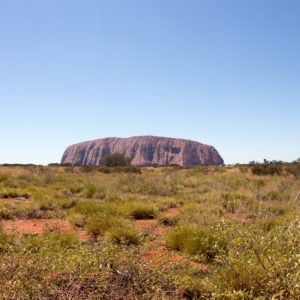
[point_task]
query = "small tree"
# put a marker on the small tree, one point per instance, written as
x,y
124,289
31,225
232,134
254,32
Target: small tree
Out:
x,y
116,160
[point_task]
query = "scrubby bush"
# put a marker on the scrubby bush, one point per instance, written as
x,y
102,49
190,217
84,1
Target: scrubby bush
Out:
x,y
13,211
75,189
50,242
230,201
194,240
90,190
277,195
52,201
80,213
169,220
294,169
266,169
6,240
127,169
124,233
139,210
129,209
116,229
87,169
267,223
116,160
4,177
262,266
99,224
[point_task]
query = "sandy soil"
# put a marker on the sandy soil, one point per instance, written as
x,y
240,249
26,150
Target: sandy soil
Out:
x,y
15,201
38,226
156,252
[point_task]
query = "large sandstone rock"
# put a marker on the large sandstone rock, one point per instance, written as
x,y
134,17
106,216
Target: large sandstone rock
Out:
x,y
144,151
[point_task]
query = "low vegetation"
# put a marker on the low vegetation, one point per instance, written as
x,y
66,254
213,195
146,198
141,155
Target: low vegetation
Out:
x,y
116,160
203,242
155,233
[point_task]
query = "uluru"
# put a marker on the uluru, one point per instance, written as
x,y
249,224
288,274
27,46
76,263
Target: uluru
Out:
x,y
143,151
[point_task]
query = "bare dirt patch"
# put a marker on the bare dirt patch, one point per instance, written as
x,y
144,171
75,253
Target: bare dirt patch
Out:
x,y
159,255
145,225
172,212
39,226
160,230
156,253
150,226
22,202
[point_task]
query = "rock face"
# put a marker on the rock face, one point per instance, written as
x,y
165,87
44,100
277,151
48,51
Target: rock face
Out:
x,y
144,151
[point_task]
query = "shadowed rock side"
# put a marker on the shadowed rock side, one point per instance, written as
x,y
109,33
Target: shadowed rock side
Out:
x,y
144,151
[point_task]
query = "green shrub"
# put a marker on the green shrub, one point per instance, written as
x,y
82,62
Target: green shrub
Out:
x,y
125,169
266,169
267,223
201,241
99,224
277,195
12,211
88,169
116,160
50,242
4,177
229,202
169,220
52,201
130,209
124,234
5,240
139,210
93,191
261,266
117,230
86,207
272,209
75,189
90,190
201,214
294,169
80,213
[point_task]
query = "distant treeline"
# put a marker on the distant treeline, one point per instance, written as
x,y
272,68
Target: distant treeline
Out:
x,y
265,168
70,167
22,165
273,168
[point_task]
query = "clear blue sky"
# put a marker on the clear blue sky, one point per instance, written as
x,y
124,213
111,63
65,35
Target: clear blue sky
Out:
x,y
225,73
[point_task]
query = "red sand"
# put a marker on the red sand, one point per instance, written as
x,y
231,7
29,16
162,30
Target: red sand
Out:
x,y
15,201
38,226
156,252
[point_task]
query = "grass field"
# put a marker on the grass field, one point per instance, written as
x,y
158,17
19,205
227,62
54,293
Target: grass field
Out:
x,y
162,233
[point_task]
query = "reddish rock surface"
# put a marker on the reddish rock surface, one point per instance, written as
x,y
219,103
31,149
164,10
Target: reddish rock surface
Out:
x,y
144,151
